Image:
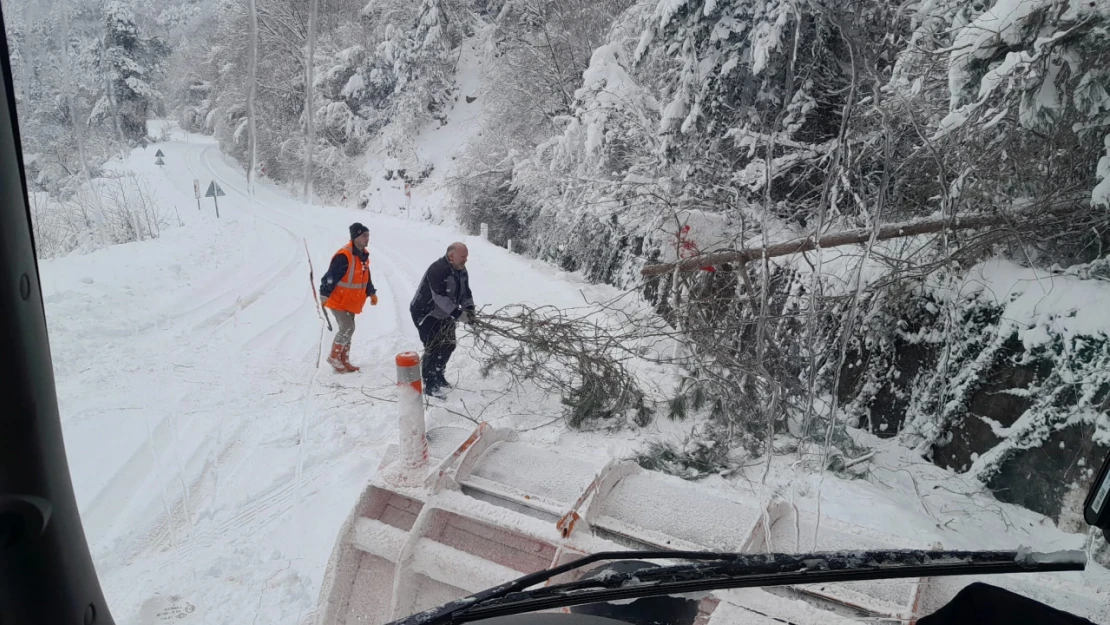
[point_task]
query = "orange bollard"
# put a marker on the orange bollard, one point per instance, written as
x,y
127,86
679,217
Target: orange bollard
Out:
x,y
410,401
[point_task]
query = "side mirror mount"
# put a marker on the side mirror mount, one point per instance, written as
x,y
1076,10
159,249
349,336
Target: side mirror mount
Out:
x,y
1096,509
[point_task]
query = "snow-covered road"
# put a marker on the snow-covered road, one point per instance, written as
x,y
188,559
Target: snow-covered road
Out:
x,y
212,458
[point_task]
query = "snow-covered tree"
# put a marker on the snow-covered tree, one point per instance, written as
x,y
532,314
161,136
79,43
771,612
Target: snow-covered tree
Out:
x,y
130,65
537,52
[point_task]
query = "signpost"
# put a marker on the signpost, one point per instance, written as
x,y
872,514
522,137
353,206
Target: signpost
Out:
x,y
196,191
214,191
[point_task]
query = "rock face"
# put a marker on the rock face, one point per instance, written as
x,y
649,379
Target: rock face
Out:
x,y
1042,478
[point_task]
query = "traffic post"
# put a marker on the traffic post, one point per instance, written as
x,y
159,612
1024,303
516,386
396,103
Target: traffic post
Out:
x,y
411,465
196,191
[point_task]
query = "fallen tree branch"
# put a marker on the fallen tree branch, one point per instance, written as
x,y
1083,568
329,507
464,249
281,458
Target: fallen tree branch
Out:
x,y
578,357
855,236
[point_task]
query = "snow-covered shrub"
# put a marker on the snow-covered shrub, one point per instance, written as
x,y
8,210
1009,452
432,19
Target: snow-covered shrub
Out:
x,y
117,208
128,210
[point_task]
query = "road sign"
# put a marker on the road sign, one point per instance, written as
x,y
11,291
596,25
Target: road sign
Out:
x,y
214,190
196,188
159,161
159,153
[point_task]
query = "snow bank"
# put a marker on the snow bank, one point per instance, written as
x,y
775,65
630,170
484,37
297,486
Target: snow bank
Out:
x,y
1036,304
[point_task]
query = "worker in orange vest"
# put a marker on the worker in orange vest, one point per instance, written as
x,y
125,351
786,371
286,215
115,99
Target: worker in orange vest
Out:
x,y
344,290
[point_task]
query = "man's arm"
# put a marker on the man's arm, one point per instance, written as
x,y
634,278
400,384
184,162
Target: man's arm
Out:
x,y
334,276
437,284
467,296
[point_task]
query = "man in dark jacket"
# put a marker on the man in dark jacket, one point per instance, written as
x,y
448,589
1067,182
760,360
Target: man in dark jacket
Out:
x,y
442,299
344,290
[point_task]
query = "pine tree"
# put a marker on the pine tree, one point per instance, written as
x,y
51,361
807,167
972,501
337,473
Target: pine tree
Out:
x,y
130,66
431,56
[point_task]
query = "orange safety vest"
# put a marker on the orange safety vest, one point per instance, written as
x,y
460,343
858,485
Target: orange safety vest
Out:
x,y
350,294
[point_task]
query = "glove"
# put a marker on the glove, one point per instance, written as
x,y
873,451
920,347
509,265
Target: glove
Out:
x,y
457,314
323,300
466,316
373,300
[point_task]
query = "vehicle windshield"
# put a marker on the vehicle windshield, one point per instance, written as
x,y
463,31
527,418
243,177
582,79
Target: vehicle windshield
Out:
x,y
358,307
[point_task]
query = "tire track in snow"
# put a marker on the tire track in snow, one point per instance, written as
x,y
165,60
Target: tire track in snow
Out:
x,y
220,520
239,301
280,499
129,478
166,525
267,507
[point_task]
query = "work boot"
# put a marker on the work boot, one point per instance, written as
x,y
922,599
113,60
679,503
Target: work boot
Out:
x,y
346,358
336,358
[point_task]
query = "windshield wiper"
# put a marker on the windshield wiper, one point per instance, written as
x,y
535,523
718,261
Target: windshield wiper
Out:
x,y
716,571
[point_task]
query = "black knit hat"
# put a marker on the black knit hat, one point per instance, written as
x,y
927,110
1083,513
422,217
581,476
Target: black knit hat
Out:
x,y
357,230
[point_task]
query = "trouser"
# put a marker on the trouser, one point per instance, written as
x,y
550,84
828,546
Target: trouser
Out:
x,y
438,337
346,326
990,605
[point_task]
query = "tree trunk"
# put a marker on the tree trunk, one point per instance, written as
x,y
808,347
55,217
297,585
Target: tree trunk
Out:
x,y
846,237
309,109
109,92
252,88
67,73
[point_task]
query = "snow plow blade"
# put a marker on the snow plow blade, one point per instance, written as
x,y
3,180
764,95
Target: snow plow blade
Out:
x,y
487,509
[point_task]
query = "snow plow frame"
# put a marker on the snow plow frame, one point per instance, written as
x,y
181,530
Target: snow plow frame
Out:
x,y
455,529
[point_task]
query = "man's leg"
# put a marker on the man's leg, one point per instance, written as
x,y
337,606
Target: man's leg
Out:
x,y
447,347
426,327
345,324
345,355
984,604
441,342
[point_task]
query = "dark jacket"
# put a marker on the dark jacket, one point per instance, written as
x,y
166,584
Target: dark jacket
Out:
x,y
443,292
338,269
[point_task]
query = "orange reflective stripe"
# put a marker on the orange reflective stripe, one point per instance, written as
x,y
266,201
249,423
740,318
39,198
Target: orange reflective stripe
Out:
x,y
350,263
353,266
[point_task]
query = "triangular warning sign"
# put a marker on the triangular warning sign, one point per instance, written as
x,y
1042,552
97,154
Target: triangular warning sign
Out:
x,y
159,153
214,190
159,161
